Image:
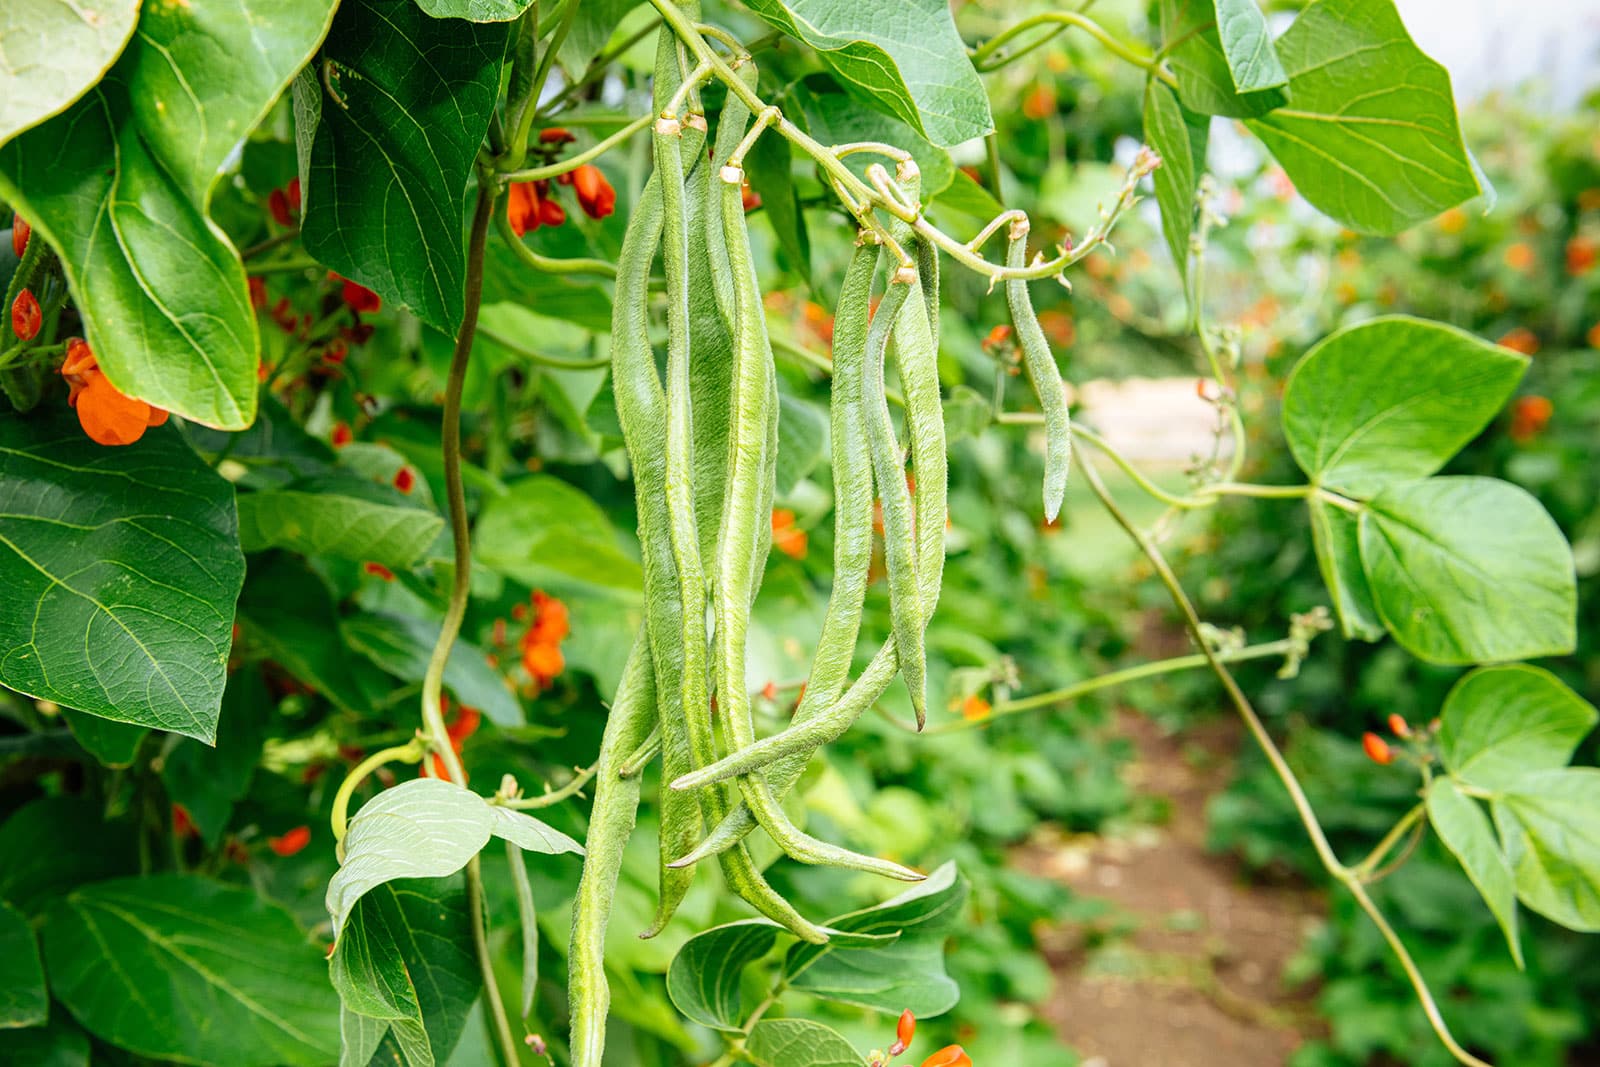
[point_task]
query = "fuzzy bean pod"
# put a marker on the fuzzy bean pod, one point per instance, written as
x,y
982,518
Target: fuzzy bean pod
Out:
x,y
1043,373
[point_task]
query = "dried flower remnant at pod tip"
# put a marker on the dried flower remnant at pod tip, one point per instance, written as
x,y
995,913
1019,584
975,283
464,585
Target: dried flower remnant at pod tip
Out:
x,y
107,415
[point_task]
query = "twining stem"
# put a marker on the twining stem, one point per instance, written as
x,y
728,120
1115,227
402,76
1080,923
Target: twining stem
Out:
x,y
1351,878
438,737
554,362
410,752
573,162
1059,21
549,264
1265,650
1366,867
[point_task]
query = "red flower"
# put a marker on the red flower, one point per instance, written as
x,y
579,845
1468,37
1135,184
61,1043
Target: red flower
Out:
x,y
555,135
543,661
290,841
551,213
903,1032
1581,255
1521,340
1529,416
294,195
105,413
182,824
595,194
1377,749
258,293
786,536
26,318
1399,727
20,230
341,435
359,297
278,204
405,479
378,570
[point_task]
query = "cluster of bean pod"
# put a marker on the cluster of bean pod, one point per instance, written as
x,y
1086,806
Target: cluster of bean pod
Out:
x,y
703,446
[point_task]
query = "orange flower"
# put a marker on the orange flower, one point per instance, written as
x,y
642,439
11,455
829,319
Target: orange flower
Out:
x,y
1581,255
1529,416
555,135
26,318
20,230
770,690
595,194
1520,257
1398,726
107,415
405,479
290,841
359,297
551,621
997,338
904,1030
975,708
786,537
1593,336
949,1056
1377,749
341,435
1040,103
1521,340
749,199
1453,221
543,661
463,724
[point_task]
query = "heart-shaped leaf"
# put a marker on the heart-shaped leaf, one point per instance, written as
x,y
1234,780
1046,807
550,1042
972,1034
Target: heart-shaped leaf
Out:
x,y
121,567
178,967
1391,400
703,980
53,52
329,524
799,1043
1469,570
1547,821
1465,830
393,150
120,184
1371,136
1501,723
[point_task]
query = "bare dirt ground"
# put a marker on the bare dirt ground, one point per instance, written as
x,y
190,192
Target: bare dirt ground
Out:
x,y
1186,970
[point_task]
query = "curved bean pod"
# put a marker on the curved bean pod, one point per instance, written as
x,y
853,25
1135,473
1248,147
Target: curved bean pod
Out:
x,y
1043,373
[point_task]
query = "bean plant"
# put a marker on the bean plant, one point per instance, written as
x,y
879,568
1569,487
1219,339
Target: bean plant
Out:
x,y
248,235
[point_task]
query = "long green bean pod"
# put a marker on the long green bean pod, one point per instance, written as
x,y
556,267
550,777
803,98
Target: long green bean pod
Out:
x,y
611,819
1043,373
741,554
900,549
852,539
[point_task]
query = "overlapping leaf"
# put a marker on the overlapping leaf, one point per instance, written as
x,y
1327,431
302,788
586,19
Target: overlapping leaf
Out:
x,y
331,524
1234,72
1465,830
121,568
1179,137
1501,723
23,1000
403,644
703,980
799,1043
1547,821
54,51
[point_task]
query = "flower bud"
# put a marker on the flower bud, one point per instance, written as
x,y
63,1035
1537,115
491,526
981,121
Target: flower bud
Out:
x,y
1377,749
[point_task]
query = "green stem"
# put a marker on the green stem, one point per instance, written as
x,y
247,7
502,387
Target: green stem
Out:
x,y
545,800
1364,869
1347,876
541,360
1059,21
547,264
573,162
1265,650
269,244
410,752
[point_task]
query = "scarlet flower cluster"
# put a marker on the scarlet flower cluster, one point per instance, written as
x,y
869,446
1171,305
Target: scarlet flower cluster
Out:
x,y
530,205
540,644
786,536
107,415
460,726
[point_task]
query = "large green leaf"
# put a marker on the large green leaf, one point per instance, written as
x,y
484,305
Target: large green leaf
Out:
x,y
1391,400
547,532
1208,68
114,744
406,958
1336,535
403,644
475,10
833,117
1465,830
121,567
530,834
1501,723
703,980
1372,138
35,871
56,1044
1469,570
121,185
1553,840
799,1043
325,524
903,57
53,51
23,1001
394,149
209,781
183,968
1179,137
906,973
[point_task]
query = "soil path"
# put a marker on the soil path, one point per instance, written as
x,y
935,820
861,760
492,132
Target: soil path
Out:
x,y
1187,968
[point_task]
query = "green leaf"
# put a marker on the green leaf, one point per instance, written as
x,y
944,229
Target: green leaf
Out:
x,y
802,438
799,1043
1247,43
1469,570
120,185
1179,137
361,1038
967,413
35,871
544,532
1336,535
904,58
594,25
1372,139
327,524
424,828
406,958
1391,400
402,645
180,967
54,51
833,117
703,980
1208,81
889,976
59,1043
770,166
394,149
475,10
967,196
114,744
1547,821
23,1000
1501,723
121,567
1465,830
208,781
530,834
